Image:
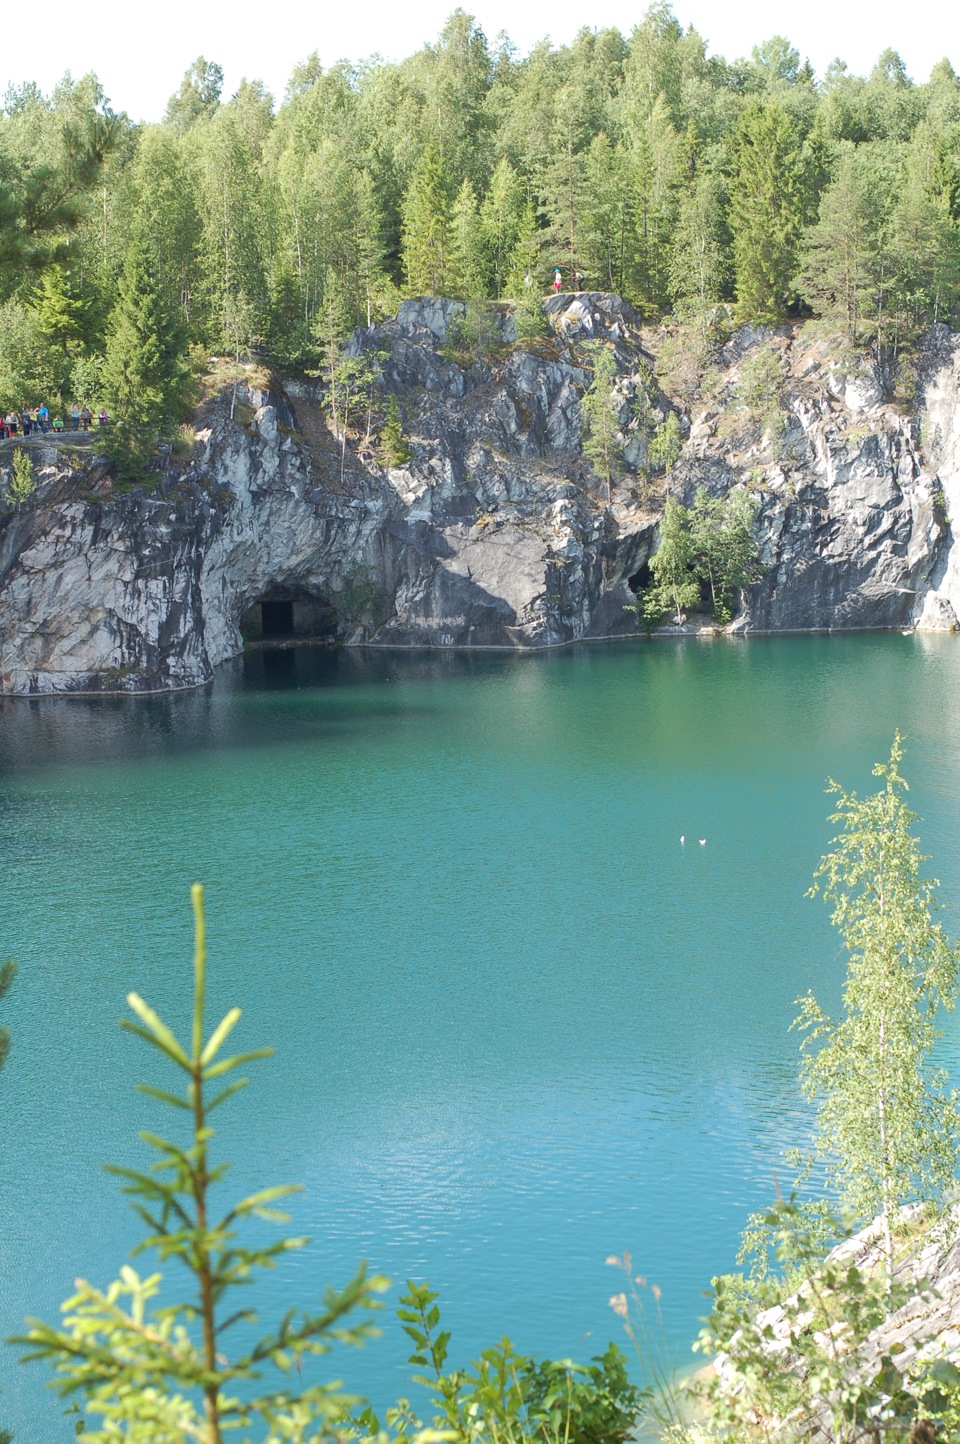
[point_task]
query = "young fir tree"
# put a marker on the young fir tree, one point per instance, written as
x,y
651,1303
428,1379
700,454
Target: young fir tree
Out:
x,y
145,375
426,226
501,219
468,269
888,1127
60,312
180,1371
23,483
602,443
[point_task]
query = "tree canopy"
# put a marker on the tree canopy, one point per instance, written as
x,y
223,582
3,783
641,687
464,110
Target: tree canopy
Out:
x,y
677,178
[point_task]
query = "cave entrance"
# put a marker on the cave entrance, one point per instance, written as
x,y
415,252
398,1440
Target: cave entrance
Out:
x,y
640,579
289,613
276,619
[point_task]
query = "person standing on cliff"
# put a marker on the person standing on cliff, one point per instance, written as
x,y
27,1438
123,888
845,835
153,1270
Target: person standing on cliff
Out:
x,y
557,282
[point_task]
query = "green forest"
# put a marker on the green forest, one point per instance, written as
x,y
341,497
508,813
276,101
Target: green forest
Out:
x,y
683,181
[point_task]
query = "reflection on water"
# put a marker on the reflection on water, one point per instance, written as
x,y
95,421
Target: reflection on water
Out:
x,y
519,1027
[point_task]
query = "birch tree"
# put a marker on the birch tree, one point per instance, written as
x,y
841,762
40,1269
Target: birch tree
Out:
x,y
887,1126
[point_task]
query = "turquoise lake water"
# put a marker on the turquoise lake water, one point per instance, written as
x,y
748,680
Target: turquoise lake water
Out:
x,y
518,1026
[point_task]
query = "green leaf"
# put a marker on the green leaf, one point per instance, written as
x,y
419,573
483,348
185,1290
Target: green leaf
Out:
x,y
227,1092
236,1062
164,1097
220,1033
158,1032
264,1196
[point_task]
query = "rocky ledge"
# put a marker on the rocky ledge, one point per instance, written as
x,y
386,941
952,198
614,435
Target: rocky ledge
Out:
x,y
496,533
920,1331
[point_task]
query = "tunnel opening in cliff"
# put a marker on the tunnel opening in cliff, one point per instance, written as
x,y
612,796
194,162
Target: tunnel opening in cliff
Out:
x,y
640,579
287,613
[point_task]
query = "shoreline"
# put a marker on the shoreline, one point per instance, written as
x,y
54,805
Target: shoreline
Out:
x,y
700,634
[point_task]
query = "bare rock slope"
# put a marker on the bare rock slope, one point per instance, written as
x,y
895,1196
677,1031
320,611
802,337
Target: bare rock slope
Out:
x,y
496,533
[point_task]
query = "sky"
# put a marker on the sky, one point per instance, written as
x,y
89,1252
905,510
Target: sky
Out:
x,y
141,52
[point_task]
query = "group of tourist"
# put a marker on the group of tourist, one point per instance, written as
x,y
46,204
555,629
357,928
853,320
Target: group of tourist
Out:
x,y
27,422
558,280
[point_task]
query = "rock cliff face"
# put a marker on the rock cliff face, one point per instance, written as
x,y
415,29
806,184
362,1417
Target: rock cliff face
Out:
x,y
496,533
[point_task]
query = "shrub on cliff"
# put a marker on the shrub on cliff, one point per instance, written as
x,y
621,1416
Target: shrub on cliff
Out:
x,y
23,484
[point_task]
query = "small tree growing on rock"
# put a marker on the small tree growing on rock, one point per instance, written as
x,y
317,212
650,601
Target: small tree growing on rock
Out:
x,y
728,557
666,443
888,1127
23,483
394,447
675,581
602,443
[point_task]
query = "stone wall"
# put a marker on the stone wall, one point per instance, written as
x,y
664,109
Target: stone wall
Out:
x,y
497,533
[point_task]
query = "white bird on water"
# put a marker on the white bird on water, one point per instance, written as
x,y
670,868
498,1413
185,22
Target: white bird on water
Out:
x,y
682,839
703,842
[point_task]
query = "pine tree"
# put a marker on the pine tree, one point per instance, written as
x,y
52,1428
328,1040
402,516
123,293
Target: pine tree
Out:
x,y
841,263
145,376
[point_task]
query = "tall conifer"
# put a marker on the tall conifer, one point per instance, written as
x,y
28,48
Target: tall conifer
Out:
x,y
426,224
767,210
145,376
